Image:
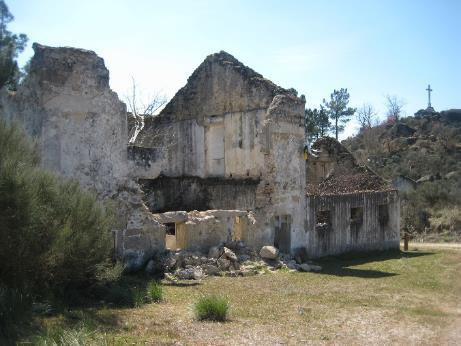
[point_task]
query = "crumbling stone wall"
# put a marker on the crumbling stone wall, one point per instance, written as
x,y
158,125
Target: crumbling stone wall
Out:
x,y
79,123
332,156
80,126
229,122
227,127
201,230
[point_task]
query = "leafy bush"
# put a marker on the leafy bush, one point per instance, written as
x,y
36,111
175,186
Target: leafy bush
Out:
x,y
155,291
212,308
53,235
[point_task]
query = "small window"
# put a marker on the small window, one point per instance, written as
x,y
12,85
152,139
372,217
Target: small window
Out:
x,y
170,228
383,214
323,220
356,216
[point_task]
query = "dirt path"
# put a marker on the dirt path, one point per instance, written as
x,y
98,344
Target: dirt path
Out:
x,y
412,246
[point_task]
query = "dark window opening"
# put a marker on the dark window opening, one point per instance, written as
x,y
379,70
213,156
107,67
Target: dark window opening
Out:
x,y
170,228
383,214
282,233
357,216
323,220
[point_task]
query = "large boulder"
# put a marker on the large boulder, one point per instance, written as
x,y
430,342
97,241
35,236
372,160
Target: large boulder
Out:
x,y
269,252
229,254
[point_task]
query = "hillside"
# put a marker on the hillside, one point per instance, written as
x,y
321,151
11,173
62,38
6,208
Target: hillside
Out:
x,y
424,152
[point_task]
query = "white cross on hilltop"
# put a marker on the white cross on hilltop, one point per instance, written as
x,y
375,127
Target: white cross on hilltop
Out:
x,y
429,96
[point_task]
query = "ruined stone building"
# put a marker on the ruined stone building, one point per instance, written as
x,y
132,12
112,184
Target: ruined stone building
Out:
x,y
350,208
222,161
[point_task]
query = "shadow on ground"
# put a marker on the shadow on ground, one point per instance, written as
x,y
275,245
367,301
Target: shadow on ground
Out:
x,y
341,265
182,283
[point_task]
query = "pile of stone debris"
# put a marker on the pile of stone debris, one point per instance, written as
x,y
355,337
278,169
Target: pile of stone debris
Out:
x,y
351,183
231,259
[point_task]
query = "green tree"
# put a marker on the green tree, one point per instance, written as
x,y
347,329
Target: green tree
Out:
x,y
316,123
52,233
338,110
10,46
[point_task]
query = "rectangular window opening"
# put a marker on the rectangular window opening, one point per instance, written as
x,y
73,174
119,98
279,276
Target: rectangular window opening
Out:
x,y
356,216
383,214
323,220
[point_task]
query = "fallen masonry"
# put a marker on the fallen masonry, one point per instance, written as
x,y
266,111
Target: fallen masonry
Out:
x,y
230,259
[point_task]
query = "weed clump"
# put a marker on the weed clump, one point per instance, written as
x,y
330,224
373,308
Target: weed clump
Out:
x,y
212,308
154,292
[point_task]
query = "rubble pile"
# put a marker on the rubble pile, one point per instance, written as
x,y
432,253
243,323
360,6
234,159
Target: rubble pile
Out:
x,y
234,259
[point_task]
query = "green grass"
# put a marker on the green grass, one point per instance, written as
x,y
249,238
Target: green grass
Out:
x,y
354,300
155,292
212,308
139,296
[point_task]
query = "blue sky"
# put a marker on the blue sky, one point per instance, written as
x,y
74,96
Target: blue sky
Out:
x,y
373,48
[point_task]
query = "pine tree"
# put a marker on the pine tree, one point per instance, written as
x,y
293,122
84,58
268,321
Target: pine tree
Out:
x,y
316,122
338,110
10,46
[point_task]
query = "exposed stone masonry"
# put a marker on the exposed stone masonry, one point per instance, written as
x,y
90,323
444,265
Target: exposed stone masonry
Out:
x,y
80,126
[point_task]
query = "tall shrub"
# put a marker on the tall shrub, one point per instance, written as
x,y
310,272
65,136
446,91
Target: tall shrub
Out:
x,y
53,235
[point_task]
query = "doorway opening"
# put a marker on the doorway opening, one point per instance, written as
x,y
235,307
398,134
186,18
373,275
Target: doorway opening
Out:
x,y
282,233
170,236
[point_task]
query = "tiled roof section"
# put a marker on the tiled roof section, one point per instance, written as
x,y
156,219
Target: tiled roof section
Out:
x,y
348,176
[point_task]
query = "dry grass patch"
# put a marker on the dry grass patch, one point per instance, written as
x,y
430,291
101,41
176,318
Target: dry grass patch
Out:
x,y
380,299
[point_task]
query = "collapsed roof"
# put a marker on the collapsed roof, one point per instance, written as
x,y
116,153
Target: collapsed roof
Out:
x,y
346,175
